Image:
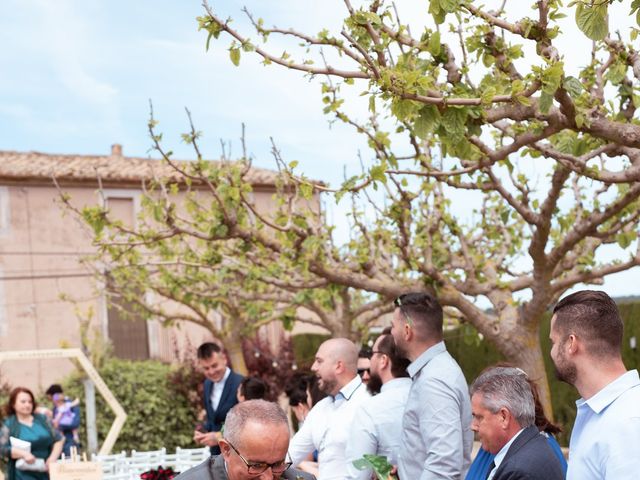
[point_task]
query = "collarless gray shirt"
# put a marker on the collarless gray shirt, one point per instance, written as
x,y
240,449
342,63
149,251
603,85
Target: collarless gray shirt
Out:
x,y
436,436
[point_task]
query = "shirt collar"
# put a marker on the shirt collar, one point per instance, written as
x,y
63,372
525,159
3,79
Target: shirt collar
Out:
x,y
349,389
425,357
227,372
395,383
503,451
611,392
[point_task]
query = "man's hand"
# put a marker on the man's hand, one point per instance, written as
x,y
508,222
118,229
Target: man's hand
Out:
x,y
209,439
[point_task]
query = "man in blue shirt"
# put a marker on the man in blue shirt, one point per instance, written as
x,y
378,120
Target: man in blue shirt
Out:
x,y
436,425
586,341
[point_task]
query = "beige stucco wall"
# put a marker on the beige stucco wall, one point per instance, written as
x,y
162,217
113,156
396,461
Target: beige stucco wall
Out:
x,y
40,249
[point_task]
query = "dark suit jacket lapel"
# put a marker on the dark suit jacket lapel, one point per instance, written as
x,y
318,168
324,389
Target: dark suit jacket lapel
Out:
x,y
525,437
226,391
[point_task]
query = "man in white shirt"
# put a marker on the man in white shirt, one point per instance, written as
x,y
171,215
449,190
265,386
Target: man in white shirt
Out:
x,y
436,424
377,426
504,418
586,341
328,424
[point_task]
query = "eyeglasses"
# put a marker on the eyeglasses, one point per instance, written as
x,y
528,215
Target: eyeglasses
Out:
x,y
361,371
374,352
257,468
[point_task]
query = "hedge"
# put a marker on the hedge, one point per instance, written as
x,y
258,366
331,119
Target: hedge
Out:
x,y
157,415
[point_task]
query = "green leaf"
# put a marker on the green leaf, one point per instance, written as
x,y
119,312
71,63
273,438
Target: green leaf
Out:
x,y
434,46
426,121
372,104
488,95
573,86
234,55
545,103
592,19
454,120
449,6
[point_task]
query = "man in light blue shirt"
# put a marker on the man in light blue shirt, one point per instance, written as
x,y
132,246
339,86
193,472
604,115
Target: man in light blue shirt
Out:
x,y
436,438
586,341
377,425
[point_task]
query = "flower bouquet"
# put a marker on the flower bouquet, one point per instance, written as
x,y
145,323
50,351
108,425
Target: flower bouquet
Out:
x,y
159,474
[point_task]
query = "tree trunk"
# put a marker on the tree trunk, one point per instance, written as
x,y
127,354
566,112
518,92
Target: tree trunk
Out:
x,y
233,344
529,357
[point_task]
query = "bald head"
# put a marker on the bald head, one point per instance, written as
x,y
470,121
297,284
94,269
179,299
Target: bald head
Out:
x,y
343,350
335,364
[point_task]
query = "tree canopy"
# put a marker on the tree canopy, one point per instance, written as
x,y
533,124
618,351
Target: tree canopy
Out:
x,y
466,99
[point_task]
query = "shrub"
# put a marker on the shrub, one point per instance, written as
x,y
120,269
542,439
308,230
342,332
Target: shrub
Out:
x,y
158,415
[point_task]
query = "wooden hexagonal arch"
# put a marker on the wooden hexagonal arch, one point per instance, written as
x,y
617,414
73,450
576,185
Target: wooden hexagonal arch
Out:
x,y
77,354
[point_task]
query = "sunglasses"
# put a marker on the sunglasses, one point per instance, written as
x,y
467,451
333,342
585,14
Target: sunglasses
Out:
x,y
361,371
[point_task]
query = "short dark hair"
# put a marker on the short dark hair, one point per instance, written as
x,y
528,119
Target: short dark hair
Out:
x,y
53,389
207,349
253,388
387,345
593,316
365,352
424,311
13,396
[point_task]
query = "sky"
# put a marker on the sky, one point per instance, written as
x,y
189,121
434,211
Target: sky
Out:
x,y
78,76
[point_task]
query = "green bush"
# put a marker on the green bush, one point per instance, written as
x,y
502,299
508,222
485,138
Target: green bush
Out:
x,y
305,347
157,415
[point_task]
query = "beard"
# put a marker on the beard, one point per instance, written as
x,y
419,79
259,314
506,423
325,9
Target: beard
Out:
x,y
375,383
327,386
565,371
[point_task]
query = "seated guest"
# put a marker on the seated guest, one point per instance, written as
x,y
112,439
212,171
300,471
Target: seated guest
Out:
x,y
503,412
252,388
480,466
254,446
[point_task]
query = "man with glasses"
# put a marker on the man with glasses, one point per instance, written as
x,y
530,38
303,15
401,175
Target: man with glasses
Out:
x,y
364,364
436,436
377,425
254,446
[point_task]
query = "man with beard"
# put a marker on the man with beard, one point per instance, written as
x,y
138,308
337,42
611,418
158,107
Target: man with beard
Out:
x,y
586,342
436,425
377,426
327,426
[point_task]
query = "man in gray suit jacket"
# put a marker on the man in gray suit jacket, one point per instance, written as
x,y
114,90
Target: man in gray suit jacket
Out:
x,y
503,412
255,444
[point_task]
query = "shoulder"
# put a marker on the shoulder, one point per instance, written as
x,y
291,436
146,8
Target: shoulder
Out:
x,y
235,377
202,471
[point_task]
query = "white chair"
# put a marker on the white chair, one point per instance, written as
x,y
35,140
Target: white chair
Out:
x,y
190,457
111,464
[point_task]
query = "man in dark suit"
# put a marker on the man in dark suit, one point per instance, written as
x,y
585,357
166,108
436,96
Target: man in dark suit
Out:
x,y
255,443
220,389
504,418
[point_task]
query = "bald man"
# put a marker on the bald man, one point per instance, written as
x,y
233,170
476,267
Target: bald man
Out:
x,y
326,428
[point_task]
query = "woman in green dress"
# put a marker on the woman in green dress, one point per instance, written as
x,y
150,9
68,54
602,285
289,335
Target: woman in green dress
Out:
x,y
22,423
